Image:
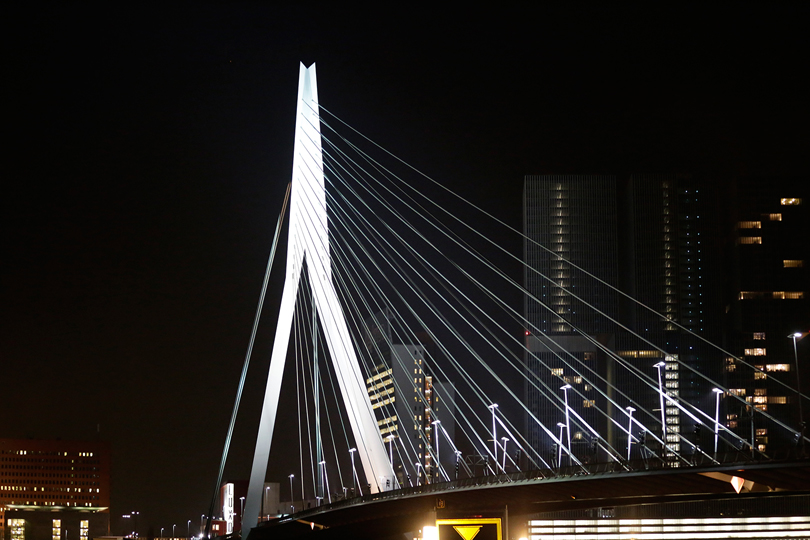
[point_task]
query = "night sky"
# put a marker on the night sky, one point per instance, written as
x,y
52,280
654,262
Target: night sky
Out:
x,y
148,149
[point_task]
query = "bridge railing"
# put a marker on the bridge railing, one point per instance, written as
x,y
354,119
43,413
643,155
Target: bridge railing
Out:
x,y
586,469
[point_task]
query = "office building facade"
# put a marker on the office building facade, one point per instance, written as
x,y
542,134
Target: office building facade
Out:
x,y
67,482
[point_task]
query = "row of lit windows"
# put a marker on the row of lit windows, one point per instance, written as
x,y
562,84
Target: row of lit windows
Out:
x,y
767,295
791,201
793,263
385,373
757,351
749,240
42,453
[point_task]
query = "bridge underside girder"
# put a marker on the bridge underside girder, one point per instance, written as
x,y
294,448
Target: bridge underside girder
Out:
x,y
391,517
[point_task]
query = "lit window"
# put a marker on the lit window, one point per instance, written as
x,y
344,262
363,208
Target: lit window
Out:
x,y
793,263
749,240
791,201
749,225
588,403
758,375
758,351
777,400
736,391
788,295
773,217
557,371
759,335
777,367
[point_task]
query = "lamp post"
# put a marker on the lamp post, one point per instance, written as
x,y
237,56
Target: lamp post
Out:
x,y
503,465
174,525
242,513
560,446
326,481
135,514
435,425
418,476
565,389
355,483
458,456
717,393
494,438
630,411
188,530
264,503
795,336
161,532
660,365
390,439
202,517
292,495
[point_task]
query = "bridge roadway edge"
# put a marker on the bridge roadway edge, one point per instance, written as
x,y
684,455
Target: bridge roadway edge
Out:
x,y
380,516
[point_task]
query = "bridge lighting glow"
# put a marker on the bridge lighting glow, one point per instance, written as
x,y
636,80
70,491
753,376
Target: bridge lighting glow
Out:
x,y
430,532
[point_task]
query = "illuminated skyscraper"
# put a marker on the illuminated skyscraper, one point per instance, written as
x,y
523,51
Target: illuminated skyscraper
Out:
x,y
767,301
652,237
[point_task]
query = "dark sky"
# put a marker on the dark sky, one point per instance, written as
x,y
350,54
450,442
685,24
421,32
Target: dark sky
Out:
x,y
147,151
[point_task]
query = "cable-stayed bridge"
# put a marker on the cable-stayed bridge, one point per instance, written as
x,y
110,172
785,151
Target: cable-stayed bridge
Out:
x,y
427,376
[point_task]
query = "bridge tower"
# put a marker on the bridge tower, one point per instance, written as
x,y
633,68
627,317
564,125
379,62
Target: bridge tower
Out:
x,y
308,240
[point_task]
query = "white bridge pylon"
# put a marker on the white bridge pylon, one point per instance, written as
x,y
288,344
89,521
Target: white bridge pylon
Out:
x,y
308,237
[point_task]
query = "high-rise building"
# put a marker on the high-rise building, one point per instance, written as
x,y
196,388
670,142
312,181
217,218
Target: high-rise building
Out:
x,y
768,301
408,402
57,484
567,219
652,237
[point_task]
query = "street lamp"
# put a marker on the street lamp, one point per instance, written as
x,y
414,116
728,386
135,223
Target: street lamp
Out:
x,y
659,366
418,476
630,411
560,445
135,514
503,466
795,336
717,393
494,438
326,480
161,532
354,474
565,389
188,530
435,425
202,517
242,513
173,527
292,495
390,439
